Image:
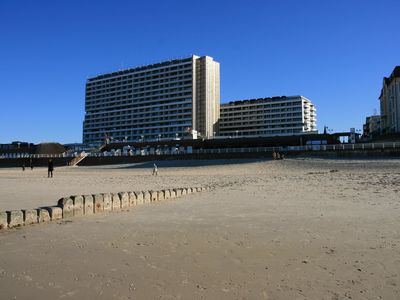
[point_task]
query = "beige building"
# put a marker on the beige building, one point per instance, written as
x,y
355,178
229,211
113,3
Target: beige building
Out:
x,y
390,102
159,101
372,126
207,100
268,117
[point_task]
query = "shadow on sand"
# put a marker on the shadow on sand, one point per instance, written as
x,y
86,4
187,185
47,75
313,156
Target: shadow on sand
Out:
x,y
184,163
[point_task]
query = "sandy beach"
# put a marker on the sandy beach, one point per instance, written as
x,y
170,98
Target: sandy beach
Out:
x,y
291,229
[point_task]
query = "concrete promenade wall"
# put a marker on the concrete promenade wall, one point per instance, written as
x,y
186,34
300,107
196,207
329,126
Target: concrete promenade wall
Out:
x,y
106,160
93,161
87,205
37,162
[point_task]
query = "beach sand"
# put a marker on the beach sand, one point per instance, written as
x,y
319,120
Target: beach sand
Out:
x,y
292,229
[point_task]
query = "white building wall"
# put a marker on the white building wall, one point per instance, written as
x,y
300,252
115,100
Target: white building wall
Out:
x,y
390,102
147,103
268,117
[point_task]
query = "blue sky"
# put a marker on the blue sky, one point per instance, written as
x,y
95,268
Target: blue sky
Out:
x,y
333,52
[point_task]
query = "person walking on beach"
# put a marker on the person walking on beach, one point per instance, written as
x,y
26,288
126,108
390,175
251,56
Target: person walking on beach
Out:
x,y
274,155
50,168
155,170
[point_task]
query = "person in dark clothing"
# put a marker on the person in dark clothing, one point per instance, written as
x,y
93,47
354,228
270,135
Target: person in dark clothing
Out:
x,y
50,168
23,166
31,163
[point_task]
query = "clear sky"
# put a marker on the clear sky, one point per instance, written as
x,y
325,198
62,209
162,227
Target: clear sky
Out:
x,y
332,52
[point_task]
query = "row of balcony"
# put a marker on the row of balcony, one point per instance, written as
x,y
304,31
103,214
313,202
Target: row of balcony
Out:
x,y
148,123
142,71
142,87
139,104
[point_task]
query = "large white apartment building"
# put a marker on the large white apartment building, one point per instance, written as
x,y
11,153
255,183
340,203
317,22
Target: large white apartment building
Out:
x,y
159,101
268,117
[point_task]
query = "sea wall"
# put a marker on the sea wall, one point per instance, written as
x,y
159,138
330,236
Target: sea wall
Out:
x,y
37,162
109,160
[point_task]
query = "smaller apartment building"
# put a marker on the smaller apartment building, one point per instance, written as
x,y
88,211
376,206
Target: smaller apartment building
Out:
x,y
372,126
268,117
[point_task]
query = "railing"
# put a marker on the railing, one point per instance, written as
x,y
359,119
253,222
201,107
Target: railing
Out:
x,y
337,147
27,155
153,151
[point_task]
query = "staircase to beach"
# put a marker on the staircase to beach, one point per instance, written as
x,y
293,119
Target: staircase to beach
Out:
x,y
76,160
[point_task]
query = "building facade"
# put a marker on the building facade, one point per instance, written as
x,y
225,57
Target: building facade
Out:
x,y
390,102
372,127
159,101
268,117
